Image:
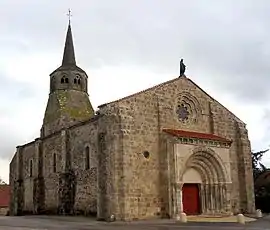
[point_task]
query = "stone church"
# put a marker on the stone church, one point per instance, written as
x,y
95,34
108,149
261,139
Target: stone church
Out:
x,y
168,149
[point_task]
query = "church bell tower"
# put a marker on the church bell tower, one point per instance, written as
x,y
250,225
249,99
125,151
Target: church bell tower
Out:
x,y
68,101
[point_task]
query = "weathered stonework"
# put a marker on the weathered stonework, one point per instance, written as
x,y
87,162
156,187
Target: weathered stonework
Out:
x,y
133,159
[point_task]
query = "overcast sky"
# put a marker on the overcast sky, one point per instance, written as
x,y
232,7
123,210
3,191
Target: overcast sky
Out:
x,y
129,45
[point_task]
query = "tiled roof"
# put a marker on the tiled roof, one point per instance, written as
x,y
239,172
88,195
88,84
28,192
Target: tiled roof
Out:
x,y
197,135
4,195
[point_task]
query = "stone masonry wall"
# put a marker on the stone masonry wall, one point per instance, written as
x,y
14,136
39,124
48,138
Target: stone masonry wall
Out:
x,y
83,141
140,124
247,198
21,179
57,161
242,198
142,118
28,156
110,174
52,149
128,168
64,109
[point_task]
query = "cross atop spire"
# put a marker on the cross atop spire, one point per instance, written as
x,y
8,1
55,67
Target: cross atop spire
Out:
x,y
69,16
69,54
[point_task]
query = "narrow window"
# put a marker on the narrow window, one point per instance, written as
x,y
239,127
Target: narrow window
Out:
x,y
54,163
75,81
62,80
78,79
66,80
31,168
87,157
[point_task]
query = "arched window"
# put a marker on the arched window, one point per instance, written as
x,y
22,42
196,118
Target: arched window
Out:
x,y
62,80
54,163
31,168
66,80
87,157
77,80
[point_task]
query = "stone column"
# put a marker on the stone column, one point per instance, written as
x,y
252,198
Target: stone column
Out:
x,y
222,197
227,198
179,201
173,201
202,197
212,198
207,199
218,200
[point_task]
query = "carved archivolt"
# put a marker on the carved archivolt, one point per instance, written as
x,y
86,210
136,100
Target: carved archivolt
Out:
x,y
187,108
208,164
214,189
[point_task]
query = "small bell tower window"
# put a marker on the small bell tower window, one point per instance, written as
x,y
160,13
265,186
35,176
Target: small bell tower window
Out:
x,y
64,79
77,80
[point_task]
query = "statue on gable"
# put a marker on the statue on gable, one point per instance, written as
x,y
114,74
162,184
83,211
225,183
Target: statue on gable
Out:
x,y
182,68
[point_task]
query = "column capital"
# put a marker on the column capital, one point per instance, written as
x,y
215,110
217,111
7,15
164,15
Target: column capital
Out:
x,y
178,185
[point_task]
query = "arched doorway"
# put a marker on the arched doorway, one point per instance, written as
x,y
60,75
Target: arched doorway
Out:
x,y
203,182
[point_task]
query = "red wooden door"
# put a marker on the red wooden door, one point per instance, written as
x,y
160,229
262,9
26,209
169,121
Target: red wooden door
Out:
x,y
191,200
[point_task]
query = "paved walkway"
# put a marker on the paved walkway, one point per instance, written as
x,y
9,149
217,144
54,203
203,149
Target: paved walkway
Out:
x,y
82,223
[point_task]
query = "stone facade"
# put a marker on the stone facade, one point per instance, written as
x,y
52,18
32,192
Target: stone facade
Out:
x,y
134,156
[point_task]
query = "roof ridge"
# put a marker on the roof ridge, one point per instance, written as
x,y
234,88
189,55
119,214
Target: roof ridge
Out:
x,y
165,83
142,91
214,99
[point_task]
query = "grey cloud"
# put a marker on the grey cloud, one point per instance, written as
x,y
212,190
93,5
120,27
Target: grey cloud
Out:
x,y
13,95
266,122
228,41
7,147
13,90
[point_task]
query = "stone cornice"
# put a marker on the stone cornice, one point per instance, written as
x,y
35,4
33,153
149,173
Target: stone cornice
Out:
x,y
197,141
196,138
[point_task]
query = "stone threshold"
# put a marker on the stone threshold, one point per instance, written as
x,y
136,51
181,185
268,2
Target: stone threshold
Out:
x,y
216,218
211,215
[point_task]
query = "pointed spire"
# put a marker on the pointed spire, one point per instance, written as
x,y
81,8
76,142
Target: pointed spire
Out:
x,y
69,54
